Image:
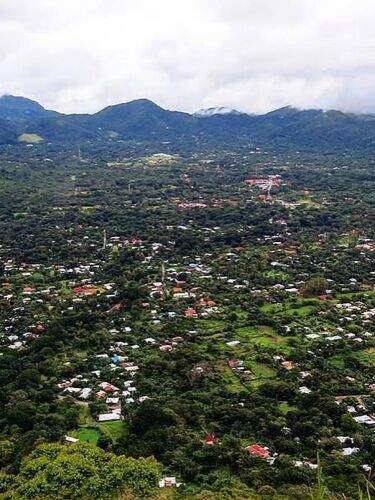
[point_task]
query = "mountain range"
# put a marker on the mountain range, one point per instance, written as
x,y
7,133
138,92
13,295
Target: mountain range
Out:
x,y
143,120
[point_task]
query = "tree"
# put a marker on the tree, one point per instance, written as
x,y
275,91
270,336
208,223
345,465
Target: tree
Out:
x,y
315,286
6,452
82,471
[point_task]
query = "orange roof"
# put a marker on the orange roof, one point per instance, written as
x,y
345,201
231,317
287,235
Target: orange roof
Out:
x,y
289,365
190,313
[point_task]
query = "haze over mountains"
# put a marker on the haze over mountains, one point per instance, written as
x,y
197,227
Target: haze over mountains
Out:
x,y
143,120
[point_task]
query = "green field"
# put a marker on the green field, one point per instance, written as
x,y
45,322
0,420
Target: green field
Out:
x,y
289,309
280,275
285,407
31,138
112,430
90,430
88,434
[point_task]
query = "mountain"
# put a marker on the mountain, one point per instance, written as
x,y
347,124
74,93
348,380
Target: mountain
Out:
x,y
143,120
206,112
21,108
8,134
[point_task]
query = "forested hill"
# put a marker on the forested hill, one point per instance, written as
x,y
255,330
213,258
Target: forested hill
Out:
x,y
142,120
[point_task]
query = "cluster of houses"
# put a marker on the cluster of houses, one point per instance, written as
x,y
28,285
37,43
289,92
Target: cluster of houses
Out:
x,y
93,387
188,289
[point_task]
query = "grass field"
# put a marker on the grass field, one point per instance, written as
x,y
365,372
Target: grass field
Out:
x,y
113,430
260,335
31,138
261,370
285,407
289,309
277,275
353,295
87,434
90,430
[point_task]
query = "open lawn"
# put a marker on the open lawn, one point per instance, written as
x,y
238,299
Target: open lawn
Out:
x,y
31,138
260,335
90,430
353,295
285,407
260,370
277,275
87,434
212,326
289,309
113,430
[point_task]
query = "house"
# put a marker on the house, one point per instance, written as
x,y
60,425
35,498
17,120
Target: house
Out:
x,y
349,451
289,365
211,439
233,343
304,390
345,439
183,295
258,451
143,398
166,348
107,387
169,482
85,393
190,313
107,417
69,439
365,419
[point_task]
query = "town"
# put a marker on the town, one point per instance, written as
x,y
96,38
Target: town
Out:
x,y
214,310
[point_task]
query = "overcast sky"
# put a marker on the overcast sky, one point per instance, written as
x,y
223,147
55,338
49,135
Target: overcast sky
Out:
x,y
253,55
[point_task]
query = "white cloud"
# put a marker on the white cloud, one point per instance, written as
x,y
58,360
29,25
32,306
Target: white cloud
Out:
x,y
254,55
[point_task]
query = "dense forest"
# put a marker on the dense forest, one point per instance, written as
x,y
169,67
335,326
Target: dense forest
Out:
x,y
182,322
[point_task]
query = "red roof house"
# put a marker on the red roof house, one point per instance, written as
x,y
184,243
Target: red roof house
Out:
x,y
258,451
190,313
211,439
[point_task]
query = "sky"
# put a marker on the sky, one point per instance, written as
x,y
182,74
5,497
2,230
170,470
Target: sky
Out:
x,y
251,55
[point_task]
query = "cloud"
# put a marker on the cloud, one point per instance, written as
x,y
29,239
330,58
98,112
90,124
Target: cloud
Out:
x,y
253,55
